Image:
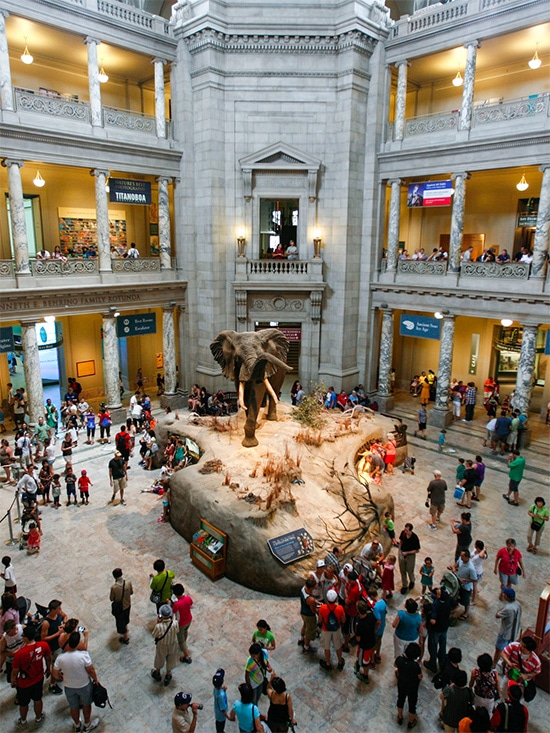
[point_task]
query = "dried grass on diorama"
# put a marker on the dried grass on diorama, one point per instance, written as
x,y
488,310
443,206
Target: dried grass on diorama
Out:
x,y
222,425
212,466
310,437
280,472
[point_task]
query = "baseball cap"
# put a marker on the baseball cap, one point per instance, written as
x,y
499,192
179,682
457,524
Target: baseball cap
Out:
x,y
510,592
348,566
165,610
218,678
332,596
182,698
84,472
117,453
320,563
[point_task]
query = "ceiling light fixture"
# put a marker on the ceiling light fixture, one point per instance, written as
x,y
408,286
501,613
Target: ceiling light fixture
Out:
x,y
535,62
506,322
38,180
458,80
522,185
26,58
102,76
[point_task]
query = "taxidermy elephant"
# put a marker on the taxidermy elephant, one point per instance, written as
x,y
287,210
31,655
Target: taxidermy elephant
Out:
x,y
255,361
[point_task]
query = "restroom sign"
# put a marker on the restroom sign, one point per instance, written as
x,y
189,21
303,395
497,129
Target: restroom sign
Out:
x,y
140,324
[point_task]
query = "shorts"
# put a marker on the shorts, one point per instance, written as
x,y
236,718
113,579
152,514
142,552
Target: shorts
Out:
x,y
332,636
422,426
26,694
119,484
505,579
364,656
436,508
501,642
513,486
310,626
389,459
77,696
71,490
464,597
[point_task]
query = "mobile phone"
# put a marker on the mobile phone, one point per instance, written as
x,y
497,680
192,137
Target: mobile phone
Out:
x,y
82,628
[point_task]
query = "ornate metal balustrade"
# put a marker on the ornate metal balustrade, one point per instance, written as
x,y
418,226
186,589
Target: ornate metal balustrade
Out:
x,y
282,268
7,268
511,270
421,267
513,109
428,124
28,100
140,264
47,268
123,118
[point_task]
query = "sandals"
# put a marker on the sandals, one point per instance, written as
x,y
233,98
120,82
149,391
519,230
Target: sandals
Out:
x,y
399,720
534,550
464,617
412,724
529,548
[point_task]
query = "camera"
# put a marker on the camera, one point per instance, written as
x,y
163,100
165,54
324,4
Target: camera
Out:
x,y
81,628
200,706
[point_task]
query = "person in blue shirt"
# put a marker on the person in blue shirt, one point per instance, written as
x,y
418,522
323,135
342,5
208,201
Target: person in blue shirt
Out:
x,y
380,610
220,700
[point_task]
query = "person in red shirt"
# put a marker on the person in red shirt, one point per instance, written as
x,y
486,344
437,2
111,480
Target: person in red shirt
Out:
x,y
27,675
507,561
84,484
182,607
511,715
123,443
352,594
332,617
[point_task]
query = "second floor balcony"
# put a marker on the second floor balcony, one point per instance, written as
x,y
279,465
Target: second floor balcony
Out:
x,y
286,272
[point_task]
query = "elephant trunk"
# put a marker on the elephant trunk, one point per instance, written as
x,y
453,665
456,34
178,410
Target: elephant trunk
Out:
x,y
272,359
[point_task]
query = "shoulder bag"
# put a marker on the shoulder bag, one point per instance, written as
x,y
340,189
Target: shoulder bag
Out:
x,y
167,630
156,595
116,606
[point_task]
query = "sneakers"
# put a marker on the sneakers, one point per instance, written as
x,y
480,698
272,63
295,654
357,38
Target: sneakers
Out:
x,y
155,674
122,503
309,649
91,725
167,679
433,526
55,690
506,497
21,723
186,660
77,727
123,640
40,719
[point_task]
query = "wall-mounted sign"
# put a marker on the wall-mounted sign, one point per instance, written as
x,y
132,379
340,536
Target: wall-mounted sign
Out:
x,y
292,334
6,340
129,191
527,220
139,324
474,353
292,545
430,193
419,326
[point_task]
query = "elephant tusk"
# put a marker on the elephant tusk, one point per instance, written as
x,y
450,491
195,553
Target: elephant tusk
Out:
x,y
269,388
241,396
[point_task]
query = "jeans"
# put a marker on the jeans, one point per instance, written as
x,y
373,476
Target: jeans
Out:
x,y
469,412
437,648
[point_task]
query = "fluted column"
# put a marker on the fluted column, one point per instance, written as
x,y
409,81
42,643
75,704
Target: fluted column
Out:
x,y
542,231
17,216
6,91
160,103
93,81
102,220
526,365
33,378
384,397
111,361
441,415
457,219
400,100
164,223
393,223
468,86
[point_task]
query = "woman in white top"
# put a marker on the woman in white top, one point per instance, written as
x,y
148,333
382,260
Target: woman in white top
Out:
x,y
477,559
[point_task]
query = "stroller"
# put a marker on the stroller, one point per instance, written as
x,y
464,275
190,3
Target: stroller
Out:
x,y
367,574
408,464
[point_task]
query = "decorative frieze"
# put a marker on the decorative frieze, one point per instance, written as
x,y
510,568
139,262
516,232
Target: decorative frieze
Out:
x,y
279,303
113,117
429,124
514,109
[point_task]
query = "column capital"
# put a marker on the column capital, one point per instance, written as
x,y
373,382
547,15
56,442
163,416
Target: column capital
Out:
x,y
398,181
170,307
403,62
531,324
158,60
164,179
4,13
100,172
461,174
544,167
88,40
448,316
12,161
475,44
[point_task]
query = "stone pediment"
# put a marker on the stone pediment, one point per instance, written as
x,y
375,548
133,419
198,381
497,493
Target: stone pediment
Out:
x,y
280,157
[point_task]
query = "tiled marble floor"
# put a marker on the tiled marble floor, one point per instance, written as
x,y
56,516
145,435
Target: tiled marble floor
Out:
x,y
81,545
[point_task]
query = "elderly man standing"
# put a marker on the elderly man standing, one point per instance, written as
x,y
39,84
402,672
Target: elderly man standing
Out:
x,y
409,547
436,499
165,635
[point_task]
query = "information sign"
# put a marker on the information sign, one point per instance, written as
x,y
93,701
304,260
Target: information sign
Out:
x,y
292,546
129,191
6,339
139,324
430,193
419,326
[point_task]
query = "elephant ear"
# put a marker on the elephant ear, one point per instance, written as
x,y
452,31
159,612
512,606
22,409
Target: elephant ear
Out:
x,y
224,353
273,342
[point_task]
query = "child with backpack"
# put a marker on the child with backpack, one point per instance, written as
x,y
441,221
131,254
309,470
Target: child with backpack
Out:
x,y
332,617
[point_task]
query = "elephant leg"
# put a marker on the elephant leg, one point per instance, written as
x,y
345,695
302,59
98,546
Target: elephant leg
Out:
x,y
254,394
250,440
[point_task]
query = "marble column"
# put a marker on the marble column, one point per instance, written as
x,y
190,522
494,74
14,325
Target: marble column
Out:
x,y
6,91
160,103
468,86
102,214
393,224
384,397
164,223
400,100
17,216
526,366
93,81
542,231
441,415
31,365
170,398
457,219
111,364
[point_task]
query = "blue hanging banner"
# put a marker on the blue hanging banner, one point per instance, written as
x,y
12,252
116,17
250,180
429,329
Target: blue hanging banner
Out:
x,y
6,339
419,326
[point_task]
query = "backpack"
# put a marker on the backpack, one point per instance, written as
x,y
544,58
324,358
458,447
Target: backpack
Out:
x,y
332,621
100,696
122,442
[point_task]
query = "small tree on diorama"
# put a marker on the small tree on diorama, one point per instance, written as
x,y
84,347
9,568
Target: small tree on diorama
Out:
x,y
310,410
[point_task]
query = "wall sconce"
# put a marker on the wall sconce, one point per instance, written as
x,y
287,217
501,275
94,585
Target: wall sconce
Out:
x,y
38,180
102,76
458,80
522,185
26,58
317,241
441,314
506,322
535,62
241,242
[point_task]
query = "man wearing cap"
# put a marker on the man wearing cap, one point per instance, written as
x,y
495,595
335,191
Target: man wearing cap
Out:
x,y
510,621
332,617
436,499
184,717
317,576
118,476
165,635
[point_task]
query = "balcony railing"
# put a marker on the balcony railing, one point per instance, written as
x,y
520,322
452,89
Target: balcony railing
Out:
x,y
510,270
278,267
126,120
77,266
430,124
421,267
140,264
287,271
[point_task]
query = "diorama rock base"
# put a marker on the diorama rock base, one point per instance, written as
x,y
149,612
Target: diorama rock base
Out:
x,y
274,507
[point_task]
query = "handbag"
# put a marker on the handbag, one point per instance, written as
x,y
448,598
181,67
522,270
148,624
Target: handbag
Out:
x,y
116,606
156,595
535,526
